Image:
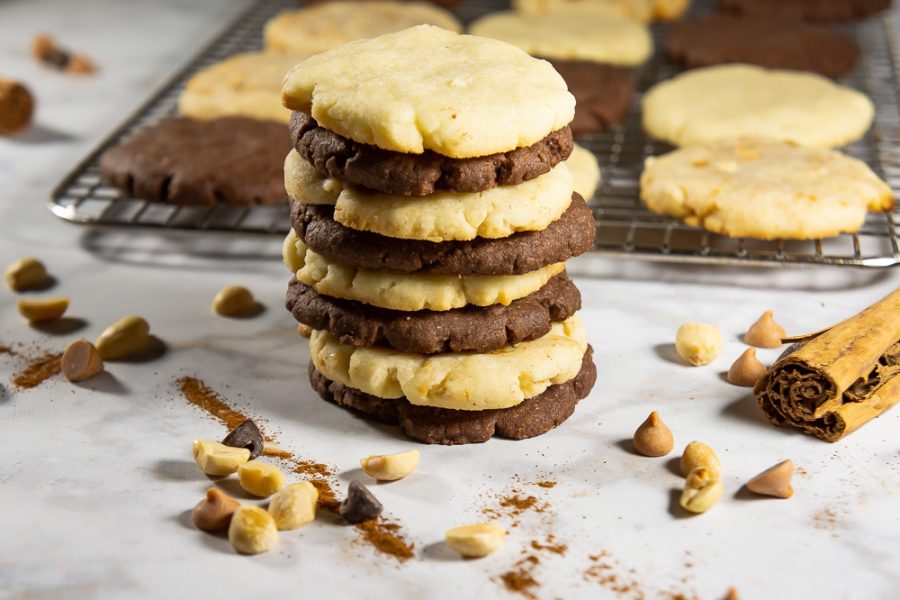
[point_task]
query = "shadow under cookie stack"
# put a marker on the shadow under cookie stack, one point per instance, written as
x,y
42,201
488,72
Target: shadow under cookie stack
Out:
x,y
432,215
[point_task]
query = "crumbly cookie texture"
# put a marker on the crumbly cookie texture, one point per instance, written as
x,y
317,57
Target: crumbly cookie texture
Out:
x,y
639,10
764,189
333,24
427,88
499,379
598,37
443,216
586,171
725,102
409,292
247,84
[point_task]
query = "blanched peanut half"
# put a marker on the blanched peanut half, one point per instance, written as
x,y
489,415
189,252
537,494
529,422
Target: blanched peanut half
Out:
x,y
697,454
252,530
234,300
217,459
294,506
259,478
126,336
390,467
81,361
42,310
475,541
26,274
214,512
698,343
702,489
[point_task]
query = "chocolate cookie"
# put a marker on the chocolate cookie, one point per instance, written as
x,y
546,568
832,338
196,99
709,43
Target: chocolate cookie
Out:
x,y
236,161
570,235
430,425
422,174
808,10
467,329
602,93
764,41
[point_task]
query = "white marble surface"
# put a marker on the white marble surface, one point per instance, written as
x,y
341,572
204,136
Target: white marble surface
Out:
x,y
95,480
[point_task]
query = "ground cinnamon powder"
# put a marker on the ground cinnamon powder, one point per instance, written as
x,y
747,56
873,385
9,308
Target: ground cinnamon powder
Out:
x,y
38,371
520,578
386,537
196,392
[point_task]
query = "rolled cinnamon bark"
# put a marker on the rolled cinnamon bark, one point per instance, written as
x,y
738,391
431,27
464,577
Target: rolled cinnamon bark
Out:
x,y
841,379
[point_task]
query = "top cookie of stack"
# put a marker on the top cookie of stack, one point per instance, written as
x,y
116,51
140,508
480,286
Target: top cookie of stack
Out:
x,y
433,212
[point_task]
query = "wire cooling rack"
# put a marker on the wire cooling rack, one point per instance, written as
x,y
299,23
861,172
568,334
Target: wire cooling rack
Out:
x,y
624,226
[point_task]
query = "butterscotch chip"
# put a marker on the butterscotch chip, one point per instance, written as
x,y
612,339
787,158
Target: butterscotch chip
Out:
x,y
81,361
16,107
765,332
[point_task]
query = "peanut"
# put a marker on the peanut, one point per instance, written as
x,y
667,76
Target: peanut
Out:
x,y
233,301
126,336
698,343
475,541
81,361
697,454
214,512
252,530
702,489
218,459
390,467
259,478
26,274
42,310
294,506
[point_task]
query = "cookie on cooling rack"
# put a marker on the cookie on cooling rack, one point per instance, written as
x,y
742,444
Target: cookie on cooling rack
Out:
x,y
602,93
586,170
808,10
236,161
763,41
638,10
714,103
764,189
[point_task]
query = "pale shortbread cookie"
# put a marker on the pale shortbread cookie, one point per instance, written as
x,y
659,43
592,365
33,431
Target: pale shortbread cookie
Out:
x,y
408,291
586,170
467,381
729,101
427,88
333,24
443,216
597,37
246,85
764,189
639,10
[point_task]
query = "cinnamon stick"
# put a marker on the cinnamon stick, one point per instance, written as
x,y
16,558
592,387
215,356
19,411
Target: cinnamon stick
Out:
x,y
841,379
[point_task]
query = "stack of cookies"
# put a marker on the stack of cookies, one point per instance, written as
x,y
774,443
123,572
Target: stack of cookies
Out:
x,y
433,212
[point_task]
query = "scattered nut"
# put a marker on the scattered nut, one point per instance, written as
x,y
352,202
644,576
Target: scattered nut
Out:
x,y
218,459
774,481
259,478
234,301
26,273
16,107
304,330
697,454
390,467
702,489
765,333
246,435
252,530
81,361
126,336
214,512
360,505
294,506
42,310
653,438
698,343
475,541
746,370
45,50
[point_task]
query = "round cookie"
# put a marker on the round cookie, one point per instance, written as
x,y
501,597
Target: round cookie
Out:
x,y
595,37
425,88
763,41
422,174
532,417
764,189
808,10
443,216
186,161
466,329
602,94
405,291
584,166
467,381
569,236
247,84
333,24
729,101
638,10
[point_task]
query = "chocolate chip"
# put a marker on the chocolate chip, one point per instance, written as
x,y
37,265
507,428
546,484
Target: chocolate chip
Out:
x,y
246,435
360,505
